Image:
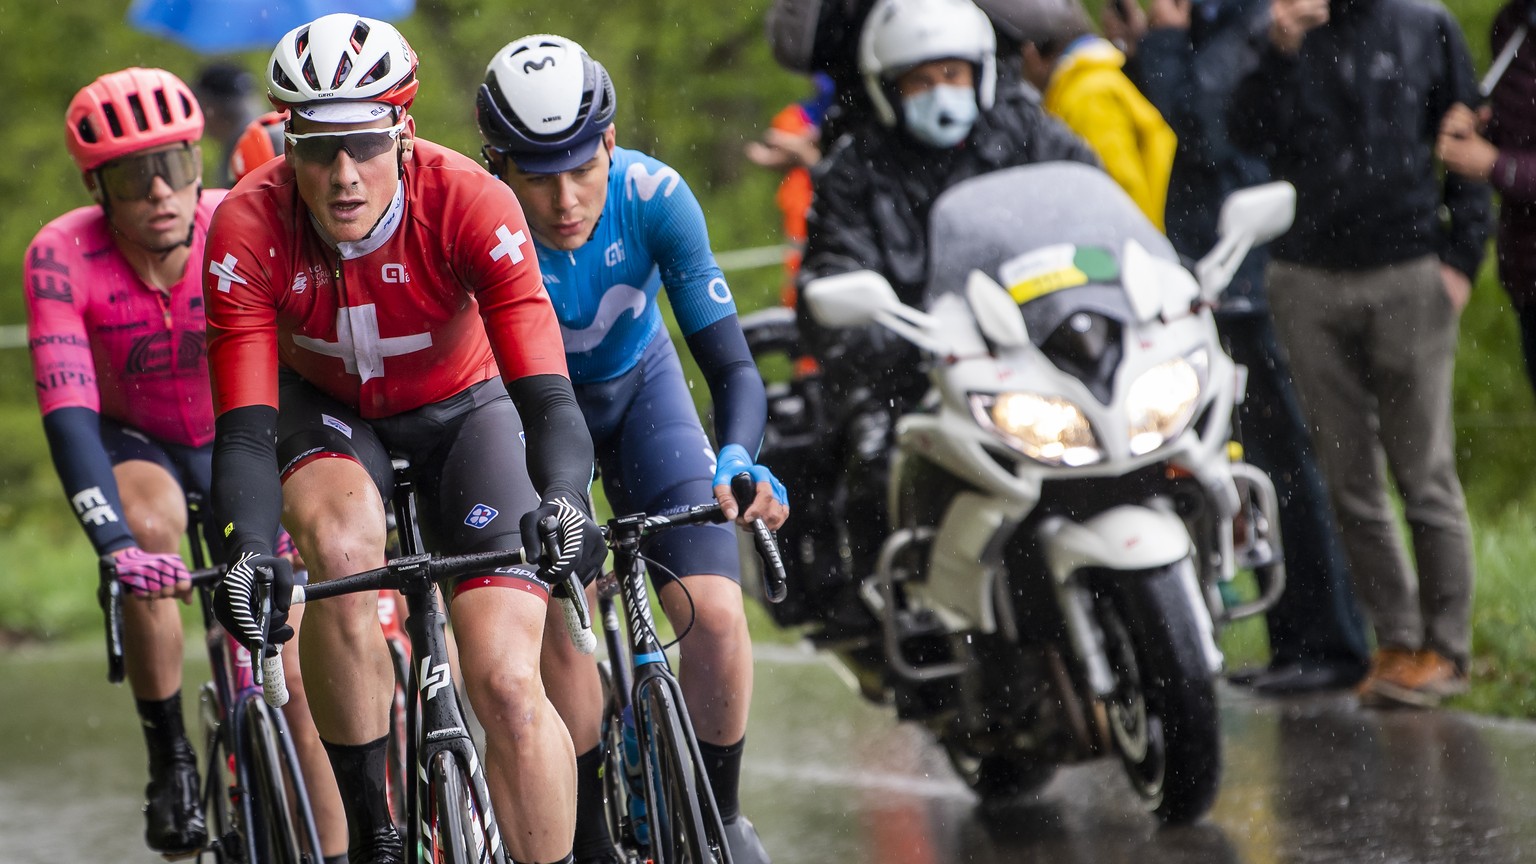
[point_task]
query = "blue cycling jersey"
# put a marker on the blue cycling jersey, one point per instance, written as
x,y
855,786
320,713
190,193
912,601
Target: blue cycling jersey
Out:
x,y
651,233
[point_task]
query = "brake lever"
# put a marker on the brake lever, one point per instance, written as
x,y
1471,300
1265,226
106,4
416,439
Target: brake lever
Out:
x,y
774,589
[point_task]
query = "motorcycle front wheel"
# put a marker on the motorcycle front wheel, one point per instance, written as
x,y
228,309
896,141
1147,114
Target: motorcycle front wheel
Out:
x,y
1163,713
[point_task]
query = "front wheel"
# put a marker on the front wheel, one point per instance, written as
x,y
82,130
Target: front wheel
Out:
x,y
684,822
450,813
1163,713
272,832
999,777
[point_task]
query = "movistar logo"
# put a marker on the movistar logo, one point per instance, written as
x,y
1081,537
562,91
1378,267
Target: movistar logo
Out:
x,y
530,66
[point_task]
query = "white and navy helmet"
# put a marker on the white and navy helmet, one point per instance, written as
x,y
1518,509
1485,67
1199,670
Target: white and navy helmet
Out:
x,y
545,104
900,34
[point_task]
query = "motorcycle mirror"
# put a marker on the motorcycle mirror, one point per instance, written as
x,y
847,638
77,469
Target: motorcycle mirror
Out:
x,y
996,313
848,299
1262,212
1249,218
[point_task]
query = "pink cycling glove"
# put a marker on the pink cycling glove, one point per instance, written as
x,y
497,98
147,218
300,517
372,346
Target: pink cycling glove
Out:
x,y
152,574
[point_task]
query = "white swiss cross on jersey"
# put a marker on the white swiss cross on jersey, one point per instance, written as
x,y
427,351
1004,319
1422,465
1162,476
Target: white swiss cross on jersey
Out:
x,y
359,344
511,244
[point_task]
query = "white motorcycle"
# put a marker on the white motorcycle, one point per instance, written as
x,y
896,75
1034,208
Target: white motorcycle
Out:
x,y
1067,503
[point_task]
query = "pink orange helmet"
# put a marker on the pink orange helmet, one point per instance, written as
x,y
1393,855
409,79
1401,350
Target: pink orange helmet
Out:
x,y
128,111
260,143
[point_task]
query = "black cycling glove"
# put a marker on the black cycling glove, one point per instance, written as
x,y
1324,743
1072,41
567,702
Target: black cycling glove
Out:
x,y
581,542
234,601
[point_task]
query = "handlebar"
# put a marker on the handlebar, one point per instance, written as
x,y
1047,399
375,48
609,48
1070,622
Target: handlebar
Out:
x,y
419,573
109,593
744,490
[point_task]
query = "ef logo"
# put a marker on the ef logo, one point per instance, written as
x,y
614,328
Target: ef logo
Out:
x,y
395,273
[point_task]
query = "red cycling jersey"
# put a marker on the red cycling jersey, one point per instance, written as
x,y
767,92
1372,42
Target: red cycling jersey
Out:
x,y
104,340
393,328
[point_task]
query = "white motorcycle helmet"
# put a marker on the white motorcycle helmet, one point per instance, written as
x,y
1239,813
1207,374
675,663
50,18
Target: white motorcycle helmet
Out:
x,y
342,59
900,34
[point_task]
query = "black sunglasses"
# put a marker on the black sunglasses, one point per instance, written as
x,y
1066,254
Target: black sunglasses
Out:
x,y
131,177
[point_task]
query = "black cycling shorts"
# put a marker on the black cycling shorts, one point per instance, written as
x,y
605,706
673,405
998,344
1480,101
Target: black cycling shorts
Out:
x,y
468,464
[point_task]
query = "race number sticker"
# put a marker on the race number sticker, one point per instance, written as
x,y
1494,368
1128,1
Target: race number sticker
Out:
x,y
1052,268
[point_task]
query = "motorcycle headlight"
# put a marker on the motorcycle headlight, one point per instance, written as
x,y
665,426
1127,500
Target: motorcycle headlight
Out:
x,y
1162,401
1045,428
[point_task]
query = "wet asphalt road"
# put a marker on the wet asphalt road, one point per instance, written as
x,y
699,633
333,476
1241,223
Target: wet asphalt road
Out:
x,y
831,780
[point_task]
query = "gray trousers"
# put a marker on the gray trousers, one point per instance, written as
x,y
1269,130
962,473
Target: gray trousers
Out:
x,y
1372,353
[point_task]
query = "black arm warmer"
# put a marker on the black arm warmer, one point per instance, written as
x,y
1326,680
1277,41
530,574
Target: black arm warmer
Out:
x,y
559,445
247,493
741,408
74,441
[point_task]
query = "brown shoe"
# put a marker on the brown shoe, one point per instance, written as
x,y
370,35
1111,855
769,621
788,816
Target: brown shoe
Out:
x,y
1384,662
1423,681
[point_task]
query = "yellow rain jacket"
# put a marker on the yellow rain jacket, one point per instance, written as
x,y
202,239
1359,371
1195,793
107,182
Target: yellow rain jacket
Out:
x,y
1091,94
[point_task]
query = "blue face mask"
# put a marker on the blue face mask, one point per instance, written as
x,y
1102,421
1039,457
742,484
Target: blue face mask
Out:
x,y
940,116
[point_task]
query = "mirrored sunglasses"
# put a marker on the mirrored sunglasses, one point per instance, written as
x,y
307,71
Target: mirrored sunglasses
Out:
x,y
130,178
321,148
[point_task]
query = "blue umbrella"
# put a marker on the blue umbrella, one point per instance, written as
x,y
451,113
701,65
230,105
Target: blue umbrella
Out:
x,y
220,26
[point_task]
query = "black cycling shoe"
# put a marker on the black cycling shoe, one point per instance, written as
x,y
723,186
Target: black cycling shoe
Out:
x,y
746,848
172,812
384,847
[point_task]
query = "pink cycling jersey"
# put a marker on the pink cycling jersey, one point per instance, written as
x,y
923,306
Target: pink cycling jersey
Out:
x,y
104,340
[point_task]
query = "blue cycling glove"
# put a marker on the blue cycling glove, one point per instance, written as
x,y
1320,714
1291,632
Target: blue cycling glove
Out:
x,y
733,460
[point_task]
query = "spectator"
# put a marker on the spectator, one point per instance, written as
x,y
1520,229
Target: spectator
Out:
x,y
1506,158
1187,65
1081,81
792,145
228,95
939,117
1366,292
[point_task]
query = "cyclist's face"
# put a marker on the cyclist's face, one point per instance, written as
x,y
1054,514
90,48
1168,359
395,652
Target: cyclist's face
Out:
x,y
161,219
563,209
347,196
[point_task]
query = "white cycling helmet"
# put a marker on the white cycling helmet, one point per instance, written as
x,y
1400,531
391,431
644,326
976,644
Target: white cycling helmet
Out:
x,y
900,34
545,103
342,60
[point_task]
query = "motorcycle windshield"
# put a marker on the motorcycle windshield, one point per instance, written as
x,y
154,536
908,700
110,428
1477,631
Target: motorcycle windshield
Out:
x,y
1052,234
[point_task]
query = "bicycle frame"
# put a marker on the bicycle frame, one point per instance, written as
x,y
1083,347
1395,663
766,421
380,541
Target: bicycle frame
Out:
x,y
640,662
434,725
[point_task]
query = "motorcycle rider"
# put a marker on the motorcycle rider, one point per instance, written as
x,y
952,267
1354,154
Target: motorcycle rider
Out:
x,y
610,226
930,71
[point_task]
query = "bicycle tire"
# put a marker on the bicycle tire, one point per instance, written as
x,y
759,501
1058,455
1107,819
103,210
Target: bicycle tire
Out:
x,y
217,804
396,770
450,813
273,836
616,788
684,823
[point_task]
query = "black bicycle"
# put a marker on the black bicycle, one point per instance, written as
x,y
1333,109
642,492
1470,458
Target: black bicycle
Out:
x,y
448,816
253,793
659,802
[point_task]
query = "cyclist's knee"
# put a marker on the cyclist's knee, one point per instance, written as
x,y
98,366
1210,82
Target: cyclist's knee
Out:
x,y
713,613
509,695
352,618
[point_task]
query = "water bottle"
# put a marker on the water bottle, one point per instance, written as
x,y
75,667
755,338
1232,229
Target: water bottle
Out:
x,y
632,776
